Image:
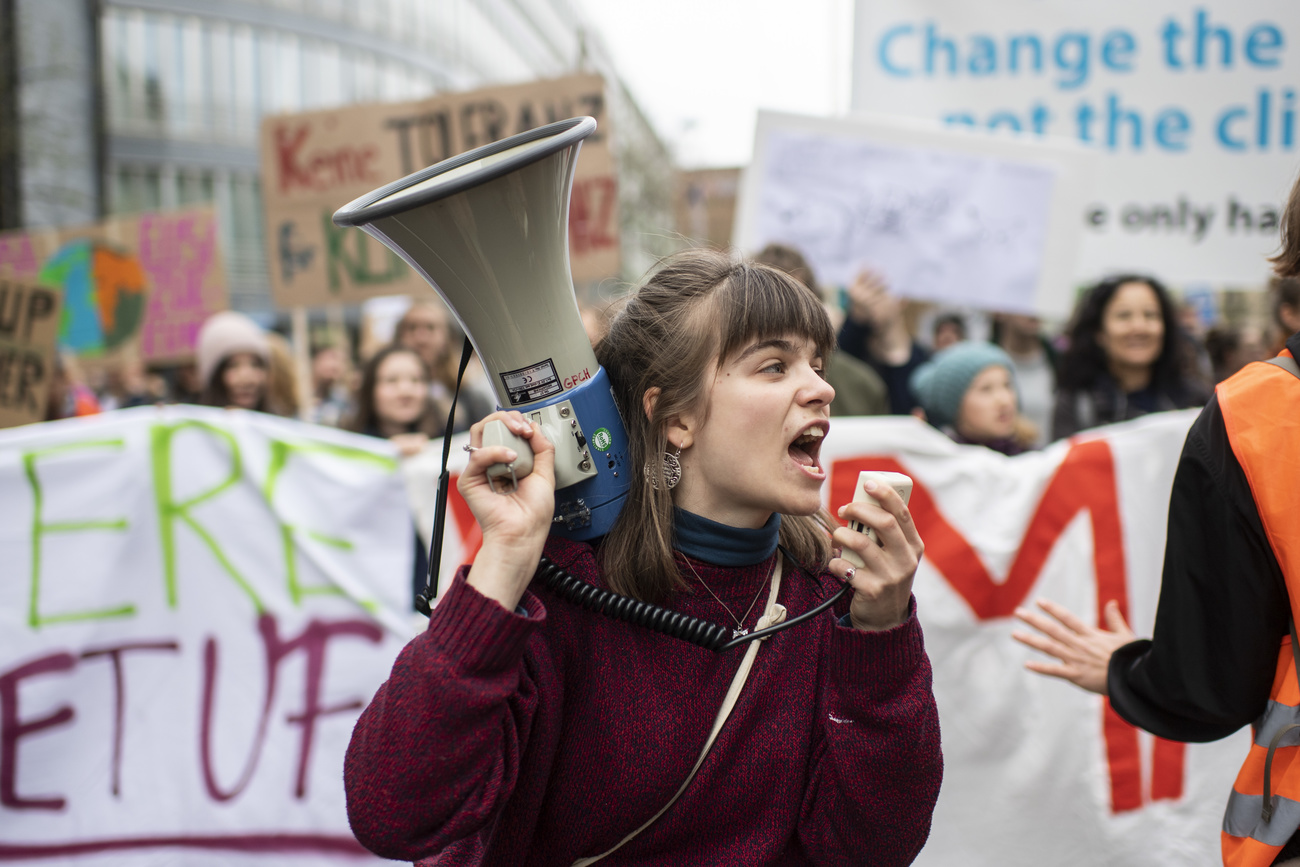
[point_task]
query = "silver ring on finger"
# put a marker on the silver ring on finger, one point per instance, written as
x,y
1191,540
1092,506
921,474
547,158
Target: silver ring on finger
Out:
x,y
469,448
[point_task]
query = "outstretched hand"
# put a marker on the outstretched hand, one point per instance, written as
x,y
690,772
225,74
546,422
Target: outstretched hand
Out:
x,y
1084,651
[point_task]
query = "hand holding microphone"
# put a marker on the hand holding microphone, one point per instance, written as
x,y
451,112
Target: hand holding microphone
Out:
x,y
881,550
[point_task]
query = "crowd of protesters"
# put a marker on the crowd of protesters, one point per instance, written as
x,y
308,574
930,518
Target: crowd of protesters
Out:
x,y
1129,349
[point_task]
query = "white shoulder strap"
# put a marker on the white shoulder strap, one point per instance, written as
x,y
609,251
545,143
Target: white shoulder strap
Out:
x,y
773,615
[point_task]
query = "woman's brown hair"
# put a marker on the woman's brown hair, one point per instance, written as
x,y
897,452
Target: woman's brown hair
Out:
x,y
1287,262
281,378
699,309
215,392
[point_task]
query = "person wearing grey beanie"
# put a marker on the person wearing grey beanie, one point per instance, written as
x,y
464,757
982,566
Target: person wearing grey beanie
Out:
x,y
233,357
968,391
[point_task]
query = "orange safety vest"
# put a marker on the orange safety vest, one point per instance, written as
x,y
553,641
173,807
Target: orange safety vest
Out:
x,y
1261,411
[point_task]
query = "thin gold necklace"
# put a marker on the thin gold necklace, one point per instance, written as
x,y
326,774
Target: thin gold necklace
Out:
x,y
740,622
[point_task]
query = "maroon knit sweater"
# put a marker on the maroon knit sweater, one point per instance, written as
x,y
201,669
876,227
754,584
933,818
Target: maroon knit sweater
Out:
x,y
501,739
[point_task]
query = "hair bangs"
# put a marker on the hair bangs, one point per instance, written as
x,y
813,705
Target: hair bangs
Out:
x,y
758,302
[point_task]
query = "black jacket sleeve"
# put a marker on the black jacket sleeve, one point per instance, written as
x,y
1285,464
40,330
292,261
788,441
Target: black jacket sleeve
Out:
x,y
853,339
1223,607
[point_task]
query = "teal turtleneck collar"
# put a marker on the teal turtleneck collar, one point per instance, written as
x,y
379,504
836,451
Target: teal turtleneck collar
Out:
x,y
710,542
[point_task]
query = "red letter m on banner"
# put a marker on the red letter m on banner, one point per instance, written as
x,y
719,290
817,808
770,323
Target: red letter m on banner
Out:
x,y
1084,481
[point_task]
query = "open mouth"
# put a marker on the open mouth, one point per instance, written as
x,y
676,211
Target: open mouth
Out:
x,y
807,446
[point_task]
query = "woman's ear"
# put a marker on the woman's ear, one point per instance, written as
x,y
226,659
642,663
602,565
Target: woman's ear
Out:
x,y
680,432
678,429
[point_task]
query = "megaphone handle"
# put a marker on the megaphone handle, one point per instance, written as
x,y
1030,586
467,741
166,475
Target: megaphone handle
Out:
x,y
495,433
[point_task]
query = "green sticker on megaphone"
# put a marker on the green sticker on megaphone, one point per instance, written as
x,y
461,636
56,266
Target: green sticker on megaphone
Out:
x,y
602,439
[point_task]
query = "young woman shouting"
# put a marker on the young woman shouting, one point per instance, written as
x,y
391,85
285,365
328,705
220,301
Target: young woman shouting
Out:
x,y
520,728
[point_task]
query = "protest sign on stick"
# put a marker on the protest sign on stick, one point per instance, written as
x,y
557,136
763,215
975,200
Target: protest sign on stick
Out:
x,y
29,327
315,162
944,216
142,282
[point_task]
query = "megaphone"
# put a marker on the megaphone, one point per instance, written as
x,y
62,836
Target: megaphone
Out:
x,y
489,231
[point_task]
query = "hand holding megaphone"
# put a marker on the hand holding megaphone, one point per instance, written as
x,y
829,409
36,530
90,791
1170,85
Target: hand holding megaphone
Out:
x,y
496,434
511,459
515,519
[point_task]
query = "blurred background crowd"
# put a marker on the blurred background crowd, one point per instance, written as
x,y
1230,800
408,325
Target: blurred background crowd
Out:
x,y
1010,382
227,106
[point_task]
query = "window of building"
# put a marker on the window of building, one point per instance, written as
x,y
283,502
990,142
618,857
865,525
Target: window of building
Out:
x,y
246,84
194,188
264,69
365,76
348,76
220,77
116,69
174,74
288,85
150,189
195,79
329,72
153,87
125,192
331,9
371,13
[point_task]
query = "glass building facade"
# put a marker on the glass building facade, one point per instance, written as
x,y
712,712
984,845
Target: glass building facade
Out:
x,y
185,84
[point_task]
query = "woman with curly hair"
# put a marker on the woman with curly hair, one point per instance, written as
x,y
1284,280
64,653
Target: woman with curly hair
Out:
x,y
1124,357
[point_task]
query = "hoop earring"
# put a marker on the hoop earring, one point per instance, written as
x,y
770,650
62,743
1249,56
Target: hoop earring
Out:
x,y
671,471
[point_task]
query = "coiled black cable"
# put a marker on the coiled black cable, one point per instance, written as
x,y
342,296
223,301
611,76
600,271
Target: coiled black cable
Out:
x,y
703,633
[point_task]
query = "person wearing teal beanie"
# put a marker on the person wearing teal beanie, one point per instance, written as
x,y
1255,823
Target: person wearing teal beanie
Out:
x,y
969,392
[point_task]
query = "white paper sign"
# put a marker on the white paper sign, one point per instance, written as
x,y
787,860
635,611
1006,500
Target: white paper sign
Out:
x,y
1191,108
945,217
195,604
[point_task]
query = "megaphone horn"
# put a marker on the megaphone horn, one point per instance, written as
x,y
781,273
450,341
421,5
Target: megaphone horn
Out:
x,y
489,231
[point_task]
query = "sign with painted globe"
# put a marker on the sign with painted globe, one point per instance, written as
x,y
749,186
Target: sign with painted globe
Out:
x,y
104,295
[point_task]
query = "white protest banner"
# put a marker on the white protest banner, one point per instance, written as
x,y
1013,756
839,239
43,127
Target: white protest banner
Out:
x,y
195,605
1192,107
944,216
1035,771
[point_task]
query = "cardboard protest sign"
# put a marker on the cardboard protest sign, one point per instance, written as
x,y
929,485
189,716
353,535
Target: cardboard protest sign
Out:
x,y
315,162
144,281
197,605
705,205
29,328
1191,108
943,216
